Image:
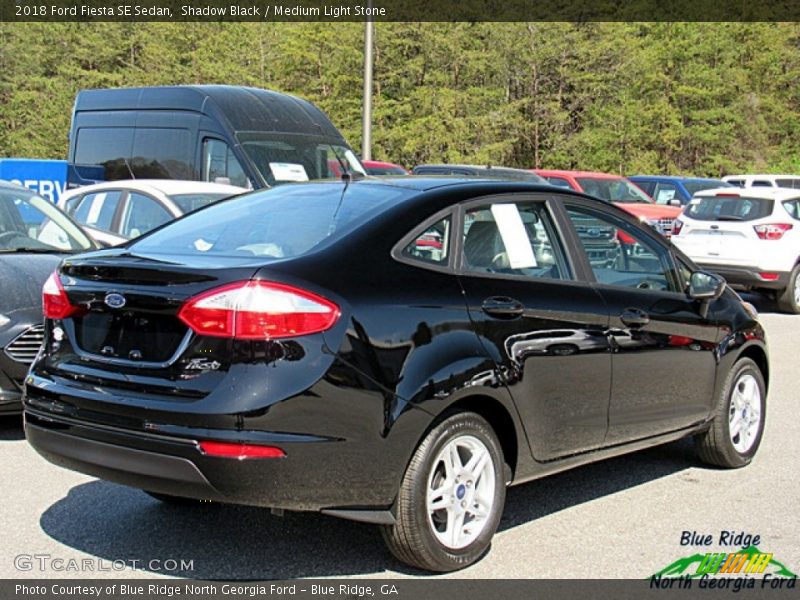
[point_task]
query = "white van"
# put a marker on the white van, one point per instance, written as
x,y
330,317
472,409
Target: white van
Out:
x,y
769,181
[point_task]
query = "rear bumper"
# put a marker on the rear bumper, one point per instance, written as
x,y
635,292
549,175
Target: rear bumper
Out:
x,y
313,476
748,277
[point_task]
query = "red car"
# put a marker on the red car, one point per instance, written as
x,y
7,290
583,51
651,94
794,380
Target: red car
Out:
x,y
617,190
377,167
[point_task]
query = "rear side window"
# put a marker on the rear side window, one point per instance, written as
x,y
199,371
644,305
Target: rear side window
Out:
x,y
282,222
729,208
793,208
97,210
431,246
786,182
761,183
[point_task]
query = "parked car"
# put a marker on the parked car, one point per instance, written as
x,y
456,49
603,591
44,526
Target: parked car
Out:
x,y
675,191
620,191
376,167
252,352
748,181
117,211
244,136
478,171
34,237
749,236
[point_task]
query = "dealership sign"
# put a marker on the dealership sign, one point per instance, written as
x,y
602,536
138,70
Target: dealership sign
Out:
x,y
45,177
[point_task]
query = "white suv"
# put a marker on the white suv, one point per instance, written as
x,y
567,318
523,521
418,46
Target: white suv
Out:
x,y
750,236
748,181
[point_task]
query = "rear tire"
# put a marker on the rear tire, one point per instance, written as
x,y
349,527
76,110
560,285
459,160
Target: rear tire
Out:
x,y
789,299
451,497
741,408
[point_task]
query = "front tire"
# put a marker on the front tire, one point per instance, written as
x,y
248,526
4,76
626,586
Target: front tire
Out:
x,y
451,497
738,425
789,299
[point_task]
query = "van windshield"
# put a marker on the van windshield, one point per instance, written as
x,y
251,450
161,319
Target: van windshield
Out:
x,y
285,157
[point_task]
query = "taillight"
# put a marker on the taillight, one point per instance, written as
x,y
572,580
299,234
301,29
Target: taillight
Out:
x,y
55,303
677,225
258,310
772,231
239,451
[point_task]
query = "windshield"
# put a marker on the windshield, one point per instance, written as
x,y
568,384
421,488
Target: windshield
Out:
x,y
284,157
709,184
728,208
29,223
613,190
281,222
189,202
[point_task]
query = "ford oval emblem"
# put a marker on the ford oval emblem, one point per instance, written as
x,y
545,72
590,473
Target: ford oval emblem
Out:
x,y
115,300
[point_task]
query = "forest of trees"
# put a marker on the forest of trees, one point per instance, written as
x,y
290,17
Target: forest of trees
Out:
x,y
683,98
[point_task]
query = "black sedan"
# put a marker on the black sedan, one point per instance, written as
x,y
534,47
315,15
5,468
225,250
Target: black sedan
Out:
x,y
34,237
389,351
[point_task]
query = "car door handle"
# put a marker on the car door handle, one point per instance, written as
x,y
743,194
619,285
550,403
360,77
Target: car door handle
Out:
x,y
503,307
634,317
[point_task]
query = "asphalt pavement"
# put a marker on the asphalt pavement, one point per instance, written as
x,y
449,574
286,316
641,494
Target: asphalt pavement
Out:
x,y
621,518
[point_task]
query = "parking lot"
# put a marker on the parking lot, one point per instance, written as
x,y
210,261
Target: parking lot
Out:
x,y
621,518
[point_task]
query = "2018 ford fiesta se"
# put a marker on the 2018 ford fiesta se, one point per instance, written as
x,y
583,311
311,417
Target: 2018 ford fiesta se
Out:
x,y
394,351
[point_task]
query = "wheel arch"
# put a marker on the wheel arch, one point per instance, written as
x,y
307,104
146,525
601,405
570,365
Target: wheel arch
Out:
x,y
499,418
759,356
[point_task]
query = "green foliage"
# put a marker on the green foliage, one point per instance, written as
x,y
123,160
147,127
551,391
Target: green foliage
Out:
x,y
689,98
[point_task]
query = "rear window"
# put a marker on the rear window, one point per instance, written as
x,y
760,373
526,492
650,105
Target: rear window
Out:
x,y
281,222
729,208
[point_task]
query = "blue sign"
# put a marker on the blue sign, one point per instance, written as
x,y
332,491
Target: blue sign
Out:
x,y
47,178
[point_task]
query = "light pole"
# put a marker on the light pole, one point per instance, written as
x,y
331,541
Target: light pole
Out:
x,y
366,119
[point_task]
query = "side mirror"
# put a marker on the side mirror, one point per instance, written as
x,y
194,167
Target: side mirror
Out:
x,y
675,202
705,286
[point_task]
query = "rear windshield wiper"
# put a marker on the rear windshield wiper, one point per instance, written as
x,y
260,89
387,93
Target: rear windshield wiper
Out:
x,y
729,218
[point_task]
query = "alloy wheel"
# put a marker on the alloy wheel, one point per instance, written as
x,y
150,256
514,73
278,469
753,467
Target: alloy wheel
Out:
x,y
460,491
744,416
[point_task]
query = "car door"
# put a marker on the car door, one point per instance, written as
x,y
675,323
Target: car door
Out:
x,y
542,325
663,361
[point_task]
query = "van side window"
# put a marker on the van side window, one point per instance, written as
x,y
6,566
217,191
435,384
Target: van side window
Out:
x,y
139,153
106,147
162,153
220,163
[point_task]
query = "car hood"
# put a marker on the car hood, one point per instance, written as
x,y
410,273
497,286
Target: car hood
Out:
x,y
21,279
650,211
